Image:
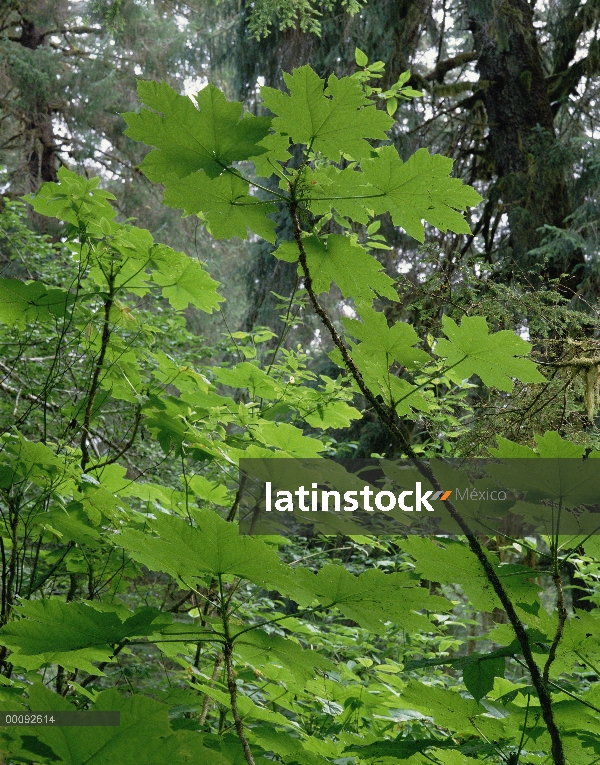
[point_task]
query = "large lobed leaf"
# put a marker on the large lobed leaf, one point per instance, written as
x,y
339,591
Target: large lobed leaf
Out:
x,y
28,302
187,138
332,120
73,634
224,203
212,546
395,343
265,651
373,598
497,358
72,199
419,189
339,259
183,280
144,736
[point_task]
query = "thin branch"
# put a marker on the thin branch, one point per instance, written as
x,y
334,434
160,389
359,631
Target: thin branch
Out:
x,y
126,447
206,703
85,428
443,67
231,684
388,417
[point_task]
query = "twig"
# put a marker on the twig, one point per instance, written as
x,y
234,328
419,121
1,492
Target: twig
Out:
x,y
85,428
126,447
231,684
206,703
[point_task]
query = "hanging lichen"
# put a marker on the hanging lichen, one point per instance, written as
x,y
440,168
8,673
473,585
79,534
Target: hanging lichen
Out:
x,y
592,389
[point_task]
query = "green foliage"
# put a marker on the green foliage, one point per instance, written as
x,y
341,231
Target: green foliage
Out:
x,y
118,480
73,634
143,736
398,92
188,138
469,350
337,259
267,13
419,189
331,119
24,302
226,205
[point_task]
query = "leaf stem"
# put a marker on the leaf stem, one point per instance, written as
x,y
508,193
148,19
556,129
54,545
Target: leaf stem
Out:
x,y
431,377
322,314
126,447
213,680
388,417
85,427
253,183
286,327
231,684
522,741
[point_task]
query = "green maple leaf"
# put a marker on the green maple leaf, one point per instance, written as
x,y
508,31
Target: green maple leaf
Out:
x,y
187,138
72,199
286,437
37,462
550,445
212,546
400,748
225,204
471,350
373,598
337,258
416,190
261,650
276,148
332,120
53,625
73,634
448,708
72,524
380,347
479,675
289,748
208,490
375,370
143,737
325,414
453,564
560,475
184,281
248,708
247,375
23,302
395,343
344,191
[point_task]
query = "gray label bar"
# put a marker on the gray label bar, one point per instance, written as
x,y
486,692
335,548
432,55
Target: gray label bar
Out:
x,y
512,496
60,719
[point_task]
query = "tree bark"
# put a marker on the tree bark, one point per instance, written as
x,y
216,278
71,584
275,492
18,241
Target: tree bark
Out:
x,y
42,159
531,182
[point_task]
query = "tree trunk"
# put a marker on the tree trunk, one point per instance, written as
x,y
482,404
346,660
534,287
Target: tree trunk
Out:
x,y
43,154
42,159
531,182
407,20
